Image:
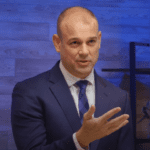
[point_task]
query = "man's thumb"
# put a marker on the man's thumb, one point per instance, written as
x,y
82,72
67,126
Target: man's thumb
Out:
x,y
89,113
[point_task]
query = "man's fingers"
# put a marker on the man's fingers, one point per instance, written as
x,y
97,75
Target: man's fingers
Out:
x,y
118,127
117,121
89,113
110,113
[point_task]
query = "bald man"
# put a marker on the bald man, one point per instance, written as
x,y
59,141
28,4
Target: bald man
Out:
x,y
47,110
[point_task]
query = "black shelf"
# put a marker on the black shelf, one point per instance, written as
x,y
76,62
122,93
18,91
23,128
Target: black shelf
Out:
x,y
143,141
137,71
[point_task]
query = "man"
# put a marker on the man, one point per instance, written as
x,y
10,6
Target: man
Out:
x,y
48,111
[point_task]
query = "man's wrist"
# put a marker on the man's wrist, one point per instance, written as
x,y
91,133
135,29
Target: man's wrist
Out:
x,y
85,148
80,140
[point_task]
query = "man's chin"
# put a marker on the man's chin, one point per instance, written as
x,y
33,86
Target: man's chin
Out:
x,y
84,72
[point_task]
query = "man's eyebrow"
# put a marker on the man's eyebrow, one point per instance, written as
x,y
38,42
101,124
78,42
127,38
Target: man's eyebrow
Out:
x,y
72,39
94,37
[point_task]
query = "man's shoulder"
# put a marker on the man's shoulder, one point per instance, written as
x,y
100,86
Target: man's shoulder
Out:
x,y
110,86
33,83
40,79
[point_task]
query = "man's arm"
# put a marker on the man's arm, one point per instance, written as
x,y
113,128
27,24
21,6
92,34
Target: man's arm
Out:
x,y
28,124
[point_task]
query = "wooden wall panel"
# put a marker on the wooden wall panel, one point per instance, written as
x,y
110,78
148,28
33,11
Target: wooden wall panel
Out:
x,y
3,139
55,2
11,143
125,23
119,26
17,12
142,53
113,49
3,1
5,123
27,49
24,31
143,64
26,68
7,66
7,85
116,3
5,102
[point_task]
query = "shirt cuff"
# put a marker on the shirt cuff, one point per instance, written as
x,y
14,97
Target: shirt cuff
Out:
x,y
77,144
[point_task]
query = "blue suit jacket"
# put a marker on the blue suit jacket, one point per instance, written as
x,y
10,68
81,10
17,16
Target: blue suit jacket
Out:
x,y
44,116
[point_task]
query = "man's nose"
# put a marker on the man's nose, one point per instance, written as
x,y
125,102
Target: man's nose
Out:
x,y
84,50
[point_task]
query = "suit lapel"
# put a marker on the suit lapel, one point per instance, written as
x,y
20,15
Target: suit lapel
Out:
x,y
101,96
61,91
101,102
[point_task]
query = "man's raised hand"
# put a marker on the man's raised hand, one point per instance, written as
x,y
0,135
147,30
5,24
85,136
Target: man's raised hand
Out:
x,y
96,128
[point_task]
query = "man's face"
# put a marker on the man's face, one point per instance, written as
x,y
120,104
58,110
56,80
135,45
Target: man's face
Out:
x,y
79,46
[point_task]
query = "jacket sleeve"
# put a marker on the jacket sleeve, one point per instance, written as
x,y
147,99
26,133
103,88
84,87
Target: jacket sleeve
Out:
x,y
126,138
28,124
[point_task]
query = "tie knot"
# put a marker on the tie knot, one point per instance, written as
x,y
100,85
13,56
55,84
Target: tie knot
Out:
x,y
82,84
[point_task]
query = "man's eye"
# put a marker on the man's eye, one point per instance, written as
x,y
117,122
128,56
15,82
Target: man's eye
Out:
x,y
91,41
74,43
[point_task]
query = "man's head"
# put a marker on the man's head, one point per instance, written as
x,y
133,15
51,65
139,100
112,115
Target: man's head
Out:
x,y
78,40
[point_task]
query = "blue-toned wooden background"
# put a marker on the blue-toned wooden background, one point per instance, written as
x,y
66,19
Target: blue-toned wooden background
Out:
x,y
26,48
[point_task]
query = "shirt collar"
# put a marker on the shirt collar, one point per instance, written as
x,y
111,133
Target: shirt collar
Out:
x,y
71,80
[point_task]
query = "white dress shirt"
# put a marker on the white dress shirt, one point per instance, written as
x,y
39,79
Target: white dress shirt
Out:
x,y
74,89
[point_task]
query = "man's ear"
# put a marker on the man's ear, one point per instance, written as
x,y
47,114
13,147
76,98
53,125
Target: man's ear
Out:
x,y
57,42
99,38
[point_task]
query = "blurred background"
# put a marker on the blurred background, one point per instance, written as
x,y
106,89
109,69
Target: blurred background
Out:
x,y
26,49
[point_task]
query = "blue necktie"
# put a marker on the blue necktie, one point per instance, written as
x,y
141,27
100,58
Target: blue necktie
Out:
x,y
83,101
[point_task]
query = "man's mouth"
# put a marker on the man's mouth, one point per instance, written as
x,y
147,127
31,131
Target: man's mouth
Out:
x,y
83,62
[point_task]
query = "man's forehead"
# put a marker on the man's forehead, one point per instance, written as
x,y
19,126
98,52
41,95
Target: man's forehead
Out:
x,y
78,17
79,28
78,32
73,22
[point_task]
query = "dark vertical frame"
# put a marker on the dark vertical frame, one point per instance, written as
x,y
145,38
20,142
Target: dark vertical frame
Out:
x,y
133,86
